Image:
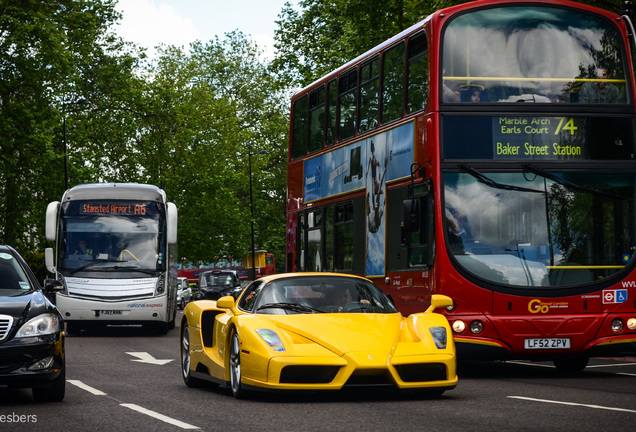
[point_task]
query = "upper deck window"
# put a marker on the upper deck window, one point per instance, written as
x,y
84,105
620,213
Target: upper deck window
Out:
x,y
533,54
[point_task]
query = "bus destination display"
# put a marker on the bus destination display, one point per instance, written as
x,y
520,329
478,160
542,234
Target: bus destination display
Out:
x,y
113,208
537,137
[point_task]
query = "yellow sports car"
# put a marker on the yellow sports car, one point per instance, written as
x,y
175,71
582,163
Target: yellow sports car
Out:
x,y
315,331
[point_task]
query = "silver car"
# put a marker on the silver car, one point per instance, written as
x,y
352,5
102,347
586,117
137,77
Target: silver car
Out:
x,y
184,292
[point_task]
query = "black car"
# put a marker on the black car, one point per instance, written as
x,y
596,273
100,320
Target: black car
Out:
x,y
214,284
31,331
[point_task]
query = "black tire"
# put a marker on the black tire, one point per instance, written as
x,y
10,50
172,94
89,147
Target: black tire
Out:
x,y
188,379
571,364
73,328
55,391
235,367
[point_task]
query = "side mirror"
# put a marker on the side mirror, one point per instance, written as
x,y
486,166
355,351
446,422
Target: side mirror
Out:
x,y
439,301
411,215
52,285
49,260
172,217
226,302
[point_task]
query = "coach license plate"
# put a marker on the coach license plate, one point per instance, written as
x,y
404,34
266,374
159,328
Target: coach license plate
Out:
x,y
110,312
547,343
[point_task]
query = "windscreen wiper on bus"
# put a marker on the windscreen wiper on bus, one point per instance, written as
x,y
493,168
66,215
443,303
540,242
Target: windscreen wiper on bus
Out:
x,y
490,182
569,184
85,266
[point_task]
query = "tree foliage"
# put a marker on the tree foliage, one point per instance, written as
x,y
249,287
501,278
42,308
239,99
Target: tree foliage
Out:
x,y
317,36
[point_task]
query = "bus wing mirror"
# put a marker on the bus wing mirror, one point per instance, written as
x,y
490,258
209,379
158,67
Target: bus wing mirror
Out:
x,y
51,220
48,260
171,219
411,215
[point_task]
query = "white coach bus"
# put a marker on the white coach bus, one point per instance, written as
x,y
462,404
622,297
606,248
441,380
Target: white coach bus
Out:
x,y
115,254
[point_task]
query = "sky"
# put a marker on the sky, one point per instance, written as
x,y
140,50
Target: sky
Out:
x,y
180,22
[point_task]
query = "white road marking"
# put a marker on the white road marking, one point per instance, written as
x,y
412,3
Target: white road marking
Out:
x,y
135,407
144,357
86,387
161,417
573,404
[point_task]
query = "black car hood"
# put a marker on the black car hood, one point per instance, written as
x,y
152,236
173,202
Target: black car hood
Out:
x,y
26,306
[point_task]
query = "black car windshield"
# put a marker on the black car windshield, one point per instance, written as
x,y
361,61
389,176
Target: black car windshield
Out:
x,y
319,294
13,280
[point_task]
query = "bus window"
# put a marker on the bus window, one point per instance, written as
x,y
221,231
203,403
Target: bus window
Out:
x,y
553,55
299,134
316,119
314,241
393,84
369,95
332,98
417,79
344,237
347,104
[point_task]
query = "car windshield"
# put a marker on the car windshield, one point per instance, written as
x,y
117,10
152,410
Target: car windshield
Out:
x,y
13,280
219,279
319,294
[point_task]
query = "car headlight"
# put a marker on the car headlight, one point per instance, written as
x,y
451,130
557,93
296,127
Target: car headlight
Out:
x,y
439,336
41,325
271,338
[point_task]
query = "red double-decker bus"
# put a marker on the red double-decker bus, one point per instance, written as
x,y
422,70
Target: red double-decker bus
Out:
x,y
485,153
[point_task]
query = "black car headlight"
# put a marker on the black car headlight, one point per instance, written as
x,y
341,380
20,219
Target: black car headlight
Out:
x,y
41,325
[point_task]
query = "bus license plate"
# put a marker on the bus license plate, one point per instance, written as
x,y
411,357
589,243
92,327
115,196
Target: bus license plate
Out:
x,y
547,343
110,312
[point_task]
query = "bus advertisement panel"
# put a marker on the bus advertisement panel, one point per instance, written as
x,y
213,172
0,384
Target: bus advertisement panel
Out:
x,y
486,153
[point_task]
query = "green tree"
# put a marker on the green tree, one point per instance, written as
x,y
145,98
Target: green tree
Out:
x,y
205,110
318,36
52,53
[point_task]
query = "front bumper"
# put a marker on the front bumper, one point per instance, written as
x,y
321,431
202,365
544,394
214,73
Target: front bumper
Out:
x,y
19,359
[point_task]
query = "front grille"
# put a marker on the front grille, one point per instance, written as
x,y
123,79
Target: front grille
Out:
x,y
422,372
308,374
5,326
370,377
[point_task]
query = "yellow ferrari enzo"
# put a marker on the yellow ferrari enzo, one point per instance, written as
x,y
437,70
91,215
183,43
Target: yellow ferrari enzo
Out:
x,y
315,331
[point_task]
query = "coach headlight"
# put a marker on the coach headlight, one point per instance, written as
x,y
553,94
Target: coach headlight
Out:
x,y
617,325
272,339
41,325
161,285
439,336
631,324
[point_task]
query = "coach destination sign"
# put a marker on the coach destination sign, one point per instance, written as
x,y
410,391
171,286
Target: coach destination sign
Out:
x,y
537,137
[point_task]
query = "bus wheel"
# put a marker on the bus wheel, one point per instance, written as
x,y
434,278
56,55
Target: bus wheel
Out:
x,y
571,364
73,328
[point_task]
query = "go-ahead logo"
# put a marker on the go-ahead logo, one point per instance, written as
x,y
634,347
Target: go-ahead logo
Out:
x,y
538,306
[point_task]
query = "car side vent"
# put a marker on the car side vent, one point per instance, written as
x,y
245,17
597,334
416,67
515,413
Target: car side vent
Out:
x,y
6,321
422,372
308,374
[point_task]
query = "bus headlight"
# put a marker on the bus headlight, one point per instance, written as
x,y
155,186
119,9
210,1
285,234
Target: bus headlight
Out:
x,y
459,326
161,285
617,325
631,324
476,327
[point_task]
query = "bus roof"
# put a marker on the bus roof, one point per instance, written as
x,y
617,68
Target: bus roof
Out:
x,y
115,191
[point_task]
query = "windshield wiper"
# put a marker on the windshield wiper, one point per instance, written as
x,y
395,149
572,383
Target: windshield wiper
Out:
x,y
569,184
290,306
490,182
85,266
